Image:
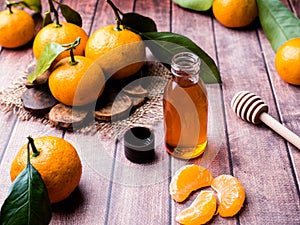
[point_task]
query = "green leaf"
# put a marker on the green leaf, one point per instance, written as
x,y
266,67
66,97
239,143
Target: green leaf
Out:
x,y
70,14
48,55
278,22
32,4
28,201
198,5
47,19
138,22
164,45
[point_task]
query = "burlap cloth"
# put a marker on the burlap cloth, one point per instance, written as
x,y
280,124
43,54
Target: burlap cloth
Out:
x,y
147,114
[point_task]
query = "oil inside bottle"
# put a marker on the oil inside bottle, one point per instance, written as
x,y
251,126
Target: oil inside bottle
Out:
x,y
185,115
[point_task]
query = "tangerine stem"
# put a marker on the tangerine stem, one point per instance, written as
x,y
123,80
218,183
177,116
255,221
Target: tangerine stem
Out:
x,y
34,149
8,5
52,9
70,47
28,152
117,12
73,61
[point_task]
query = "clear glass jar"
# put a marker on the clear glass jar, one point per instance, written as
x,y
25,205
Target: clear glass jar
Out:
x,y
185,108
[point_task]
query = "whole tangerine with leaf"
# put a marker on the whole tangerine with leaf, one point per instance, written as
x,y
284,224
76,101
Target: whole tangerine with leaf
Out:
x,y
119,51
56,160
287,61
235,13
60,32
16,27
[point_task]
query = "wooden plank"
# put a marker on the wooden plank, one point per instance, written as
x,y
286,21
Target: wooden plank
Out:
x,y
287,100
13,63
159,11
105,15
92,197
216,157
203,36
140,192
88,205
242,68
296,7
286,96
86,10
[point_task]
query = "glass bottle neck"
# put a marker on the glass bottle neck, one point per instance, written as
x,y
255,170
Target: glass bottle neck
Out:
x,y
185,68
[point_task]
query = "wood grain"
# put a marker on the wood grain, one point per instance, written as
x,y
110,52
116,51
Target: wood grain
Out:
x,y
142,189
105,15
243,68
296,6
216,157
287,101
115,191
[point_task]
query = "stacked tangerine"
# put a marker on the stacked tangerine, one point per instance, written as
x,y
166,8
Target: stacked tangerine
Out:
x,y
189,178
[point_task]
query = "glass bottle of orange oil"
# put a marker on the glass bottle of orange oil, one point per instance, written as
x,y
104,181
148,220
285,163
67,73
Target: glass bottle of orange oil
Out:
x,y
185,108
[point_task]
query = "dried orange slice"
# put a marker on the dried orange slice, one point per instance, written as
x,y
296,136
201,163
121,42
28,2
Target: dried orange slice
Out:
x,y
200,211
187,179
231,194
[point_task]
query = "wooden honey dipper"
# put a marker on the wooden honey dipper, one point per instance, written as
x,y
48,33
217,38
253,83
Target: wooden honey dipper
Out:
x,y
251,108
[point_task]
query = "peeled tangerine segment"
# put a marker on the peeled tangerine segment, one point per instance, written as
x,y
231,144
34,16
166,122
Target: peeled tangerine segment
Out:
x,y
188,179
231,194
200,211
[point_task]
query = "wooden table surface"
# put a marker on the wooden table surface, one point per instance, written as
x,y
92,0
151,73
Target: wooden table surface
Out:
x,y
114,191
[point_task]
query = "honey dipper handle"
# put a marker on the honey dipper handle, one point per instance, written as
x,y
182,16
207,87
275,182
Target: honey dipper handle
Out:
x,y
280,129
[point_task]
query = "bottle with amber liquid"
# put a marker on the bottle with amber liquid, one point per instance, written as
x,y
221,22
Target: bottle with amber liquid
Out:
x,y
185,108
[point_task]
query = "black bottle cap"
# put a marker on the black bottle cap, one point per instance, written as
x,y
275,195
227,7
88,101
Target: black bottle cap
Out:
x,y
139,145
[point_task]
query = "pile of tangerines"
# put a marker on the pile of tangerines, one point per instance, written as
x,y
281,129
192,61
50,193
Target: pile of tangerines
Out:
x,y
110,52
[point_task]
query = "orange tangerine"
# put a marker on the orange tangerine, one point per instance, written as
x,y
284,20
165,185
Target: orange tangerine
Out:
x,y
16,28
235,13
64,34
119,52
78,84
287,61
57,162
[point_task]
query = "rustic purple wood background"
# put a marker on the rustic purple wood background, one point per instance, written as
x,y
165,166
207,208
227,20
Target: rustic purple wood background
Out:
x,y
267,166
